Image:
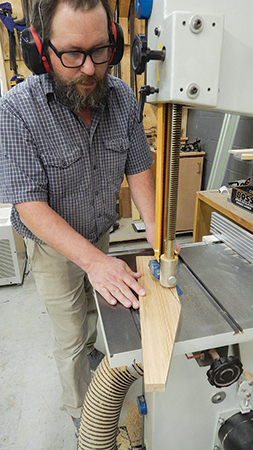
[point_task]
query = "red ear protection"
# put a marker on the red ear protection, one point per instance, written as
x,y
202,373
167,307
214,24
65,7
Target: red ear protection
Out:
x,y
38,43
117,38
36,61
32,53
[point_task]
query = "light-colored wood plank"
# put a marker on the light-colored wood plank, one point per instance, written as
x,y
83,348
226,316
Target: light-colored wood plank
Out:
x,y
124,6
123,21
241,151
139,26
159,314
247,156
135,212
113,5
184,121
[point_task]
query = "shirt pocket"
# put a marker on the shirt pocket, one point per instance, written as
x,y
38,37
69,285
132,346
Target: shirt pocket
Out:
x,y
66,172
115,157
61,160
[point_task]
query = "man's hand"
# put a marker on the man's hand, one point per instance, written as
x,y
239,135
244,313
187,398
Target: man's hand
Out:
x,y
115,281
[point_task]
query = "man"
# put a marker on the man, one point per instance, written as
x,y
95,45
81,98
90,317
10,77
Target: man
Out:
x,y
67,138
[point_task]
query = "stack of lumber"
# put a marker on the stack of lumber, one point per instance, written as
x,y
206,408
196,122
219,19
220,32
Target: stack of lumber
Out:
x,y
245,154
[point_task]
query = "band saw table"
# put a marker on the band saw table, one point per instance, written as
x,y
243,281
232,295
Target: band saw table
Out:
x,y
215,285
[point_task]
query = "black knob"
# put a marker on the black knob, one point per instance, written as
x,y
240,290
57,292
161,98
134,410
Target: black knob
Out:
x,y
141,54
224,371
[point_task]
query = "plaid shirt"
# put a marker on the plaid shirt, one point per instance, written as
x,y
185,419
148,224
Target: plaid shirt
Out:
x,y
48,153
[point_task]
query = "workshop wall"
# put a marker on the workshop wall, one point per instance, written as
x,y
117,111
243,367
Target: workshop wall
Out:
x,y
5,67
206,125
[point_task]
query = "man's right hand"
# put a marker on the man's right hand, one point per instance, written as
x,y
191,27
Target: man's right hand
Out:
x,y
115,281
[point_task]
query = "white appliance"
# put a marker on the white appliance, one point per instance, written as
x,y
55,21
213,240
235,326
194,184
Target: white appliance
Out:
x,y
12,251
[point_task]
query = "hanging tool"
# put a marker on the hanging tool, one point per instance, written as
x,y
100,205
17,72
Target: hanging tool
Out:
x,y
10,24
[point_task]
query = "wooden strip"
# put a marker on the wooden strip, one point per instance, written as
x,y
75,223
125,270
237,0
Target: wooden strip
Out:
x,y
159,314
124,8
123,21
247,156
184,122
113,5
240,151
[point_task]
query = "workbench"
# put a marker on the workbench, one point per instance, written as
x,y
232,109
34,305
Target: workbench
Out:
x,y
209,201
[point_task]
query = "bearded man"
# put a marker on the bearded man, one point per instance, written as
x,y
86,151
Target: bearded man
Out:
x,y
67,139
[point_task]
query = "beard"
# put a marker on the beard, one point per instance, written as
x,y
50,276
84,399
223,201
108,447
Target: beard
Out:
x,y
68,94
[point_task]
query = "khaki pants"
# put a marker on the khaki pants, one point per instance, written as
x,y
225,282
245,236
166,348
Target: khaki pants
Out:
x,y
68,296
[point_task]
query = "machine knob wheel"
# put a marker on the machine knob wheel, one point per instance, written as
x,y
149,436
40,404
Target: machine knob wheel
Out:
x,y
139,53
224,371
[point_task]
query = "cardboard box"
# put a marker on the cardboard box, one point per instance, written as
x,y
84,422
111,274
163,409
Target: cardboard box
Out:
x,y
243,196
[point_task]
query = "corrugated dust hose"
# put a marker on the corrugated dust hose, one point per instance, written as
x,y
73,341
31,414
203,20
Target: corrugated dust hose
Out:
x,y
102,405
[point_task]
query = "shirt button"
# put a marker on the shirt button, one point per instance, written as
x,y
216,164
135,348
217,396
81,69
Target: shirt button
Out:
x,y
96,193
64,163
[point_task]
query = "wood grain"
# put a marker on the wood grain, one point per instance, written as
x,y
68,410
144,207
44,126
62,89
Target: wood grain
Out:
x,y
159,314
124,8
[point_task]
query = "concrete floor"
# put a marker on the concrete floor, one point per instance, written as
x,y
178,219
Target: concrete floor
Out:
x,y
30,393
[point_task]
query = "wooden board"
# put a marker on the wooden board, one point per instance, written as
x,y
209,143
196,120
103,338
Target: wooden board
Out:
x,y
124,6
159,314
247,156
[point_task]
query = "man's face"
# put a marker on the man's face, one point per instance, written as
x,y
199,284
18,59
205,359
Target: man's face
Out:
x,y
83,87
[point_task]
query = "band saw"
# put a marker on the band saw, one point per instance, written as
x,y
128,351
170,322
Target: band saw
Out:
x,y
200,56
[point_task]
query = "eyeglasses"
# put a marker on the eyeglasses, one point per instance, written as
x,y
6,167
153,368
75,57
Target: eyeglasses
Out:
x,y
74,59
